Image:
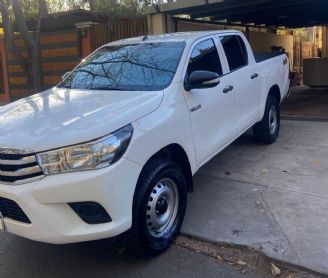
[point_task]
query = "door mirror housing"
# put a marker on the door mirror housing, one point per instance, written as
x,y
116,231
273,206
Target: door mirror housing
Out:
x,y
201,79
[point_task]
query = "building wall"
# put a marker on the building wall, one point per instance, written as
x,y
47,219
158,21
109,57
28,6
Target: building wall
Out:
x,y
262,42
194,26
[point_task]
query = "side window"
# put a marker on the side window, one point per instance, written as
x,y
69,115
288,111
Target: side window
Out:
x,y
205,57
235,50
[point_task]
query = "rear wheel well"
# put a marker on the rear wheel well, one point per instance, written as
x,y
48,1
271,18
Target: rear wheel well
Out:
x,y
275,92
177,154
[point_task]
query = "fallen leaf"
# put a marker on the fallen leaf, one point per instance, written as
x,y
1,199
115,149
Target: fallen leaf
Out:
x,y
240,263
275,271
265,171
262,211
289,276
220,258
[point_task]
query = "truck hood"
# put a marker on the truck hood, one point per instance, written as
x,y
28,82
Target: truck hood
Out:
x,y
62,117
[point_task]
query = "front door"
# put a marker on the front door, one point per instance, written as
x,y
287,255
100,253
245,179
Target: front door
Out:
x,y
212,110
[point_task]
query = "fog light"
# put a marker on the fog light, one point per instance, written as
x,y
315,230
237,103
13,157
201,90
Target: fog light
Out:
x,y
91,212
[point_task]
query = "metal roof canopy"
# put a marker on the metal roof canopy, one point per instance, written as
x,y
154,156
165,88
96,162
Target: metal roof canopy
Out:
x,y
287,13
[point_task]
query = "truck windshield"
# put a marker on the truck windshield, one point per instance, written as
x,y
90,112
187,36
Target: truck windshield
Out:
x,y
137,67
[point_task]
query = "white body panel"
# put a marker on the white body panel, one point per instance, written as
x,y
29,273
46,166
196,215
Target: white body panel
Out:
x,y
62,117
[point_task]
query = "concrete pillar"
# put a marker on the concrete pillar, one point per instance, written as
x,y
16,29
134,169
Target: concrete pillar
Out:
x,y
86,37
86,43
159,24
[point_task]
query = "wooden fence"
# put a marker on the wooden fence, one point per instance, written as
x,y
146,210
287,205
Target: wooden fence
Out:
x,y
107,32
60,52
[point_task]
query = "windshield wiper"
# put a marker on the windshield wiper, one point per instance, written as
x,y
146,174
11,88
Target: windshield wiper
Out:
x,y
109,88
64,86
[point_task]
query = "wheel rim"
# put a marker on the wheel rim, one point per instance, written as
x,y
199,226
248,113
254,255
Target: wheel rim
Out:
x,y
273,120
162,208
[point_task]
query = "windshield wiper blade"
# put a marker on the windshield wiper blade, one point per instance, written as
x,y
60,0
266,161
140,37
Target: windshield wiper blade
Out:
x,y
64,86
109,88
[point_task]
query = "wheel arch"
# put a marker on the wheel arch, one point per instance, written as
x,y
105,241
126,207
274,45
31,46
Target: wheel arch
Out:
x,y
177,154
275,92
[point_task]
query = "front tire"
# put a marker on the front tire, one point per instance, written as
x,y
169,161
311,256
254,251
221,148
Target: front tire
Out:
x,y
267,130
159,206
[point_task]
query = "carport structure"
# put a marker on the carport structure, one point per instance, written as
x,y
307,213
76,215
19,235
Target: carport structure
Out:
x,y
287,13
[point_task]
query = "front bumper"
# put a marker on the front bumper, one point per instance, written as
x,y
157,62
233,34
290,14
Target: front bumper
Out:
x,y
45,202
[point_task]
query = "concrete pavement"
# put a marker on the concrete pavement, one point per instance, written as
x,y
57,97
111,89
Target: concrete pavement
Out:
x,y
23,258
272,198
306,103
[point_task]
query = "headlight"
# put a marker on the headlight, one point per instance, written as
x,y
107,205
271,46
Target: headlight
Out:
x,y
91,155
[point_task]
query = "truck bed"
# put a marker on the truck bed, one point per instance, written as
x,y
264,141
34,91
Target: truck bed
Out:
x,y
260,57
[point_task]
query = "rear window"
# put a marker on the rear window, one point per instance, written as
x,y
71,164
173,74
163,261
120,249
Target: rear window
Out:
x,y
138,67
235,50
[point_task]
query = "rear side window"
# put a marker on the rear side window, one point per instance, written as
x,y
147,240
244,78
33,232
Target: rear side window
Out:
x,y
235,50
205,57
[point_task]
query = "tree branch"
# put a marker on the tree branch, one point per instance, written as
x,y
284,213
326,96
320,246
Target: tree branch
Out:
x,y
21,23
43,8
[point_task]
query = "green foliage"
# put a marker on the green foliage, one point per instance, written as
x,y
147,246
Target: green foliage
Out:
x,y
112,8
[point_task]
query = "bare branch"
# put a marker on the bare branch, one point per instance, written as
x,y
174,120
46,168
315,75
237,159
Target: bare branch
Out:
x,y
43,8
21,23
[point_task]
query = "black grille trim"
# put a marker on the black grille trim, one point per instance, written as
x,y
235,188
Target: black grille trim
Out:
x,y
8,179
11,210
9,156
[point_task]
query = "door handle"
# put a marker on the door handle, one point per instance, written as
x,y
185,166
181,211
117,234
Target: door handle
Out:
x,y
254,75
227,89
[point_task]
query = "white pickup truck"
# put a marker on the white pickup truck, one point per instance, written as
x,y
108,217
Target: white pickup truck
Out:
x,y
114,146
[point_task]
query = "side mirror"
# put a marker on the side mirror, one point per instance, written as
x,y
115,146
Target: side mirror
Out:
x,y
201,79
65,75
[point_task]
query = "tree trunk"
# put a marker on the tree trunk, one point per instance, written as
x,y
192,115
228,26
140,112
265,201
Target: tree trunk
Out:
x,y
33,43
9,36
43,8
93,5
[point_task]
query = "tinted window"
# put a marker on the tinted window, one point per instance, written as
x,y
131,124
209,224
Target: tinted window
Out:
x,y
149,67
205,57
235,51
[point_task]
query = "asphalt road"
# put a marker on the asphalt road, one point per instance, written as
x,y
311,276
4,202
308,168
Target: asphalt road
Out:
x,y
24,258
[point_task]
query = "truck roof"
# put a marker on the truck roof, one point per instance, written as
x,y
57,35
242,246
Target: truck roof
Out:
x,y
171,37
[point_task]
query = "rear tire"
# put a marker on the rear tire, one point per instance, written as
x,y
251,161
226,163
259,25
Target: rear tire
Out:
x,y
267,130
159,206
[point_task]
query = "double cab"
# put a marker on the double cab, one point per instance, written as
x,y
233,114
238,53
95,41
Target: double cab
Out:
x,y
113,148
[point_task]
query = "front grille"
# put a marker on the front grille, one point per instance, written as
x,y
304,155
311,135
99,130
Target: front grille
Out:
x,y
10,209
17,167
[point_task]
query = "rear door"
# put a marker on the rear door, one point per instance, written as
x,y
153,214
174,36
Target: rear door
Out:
x,y
212,111
246,81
